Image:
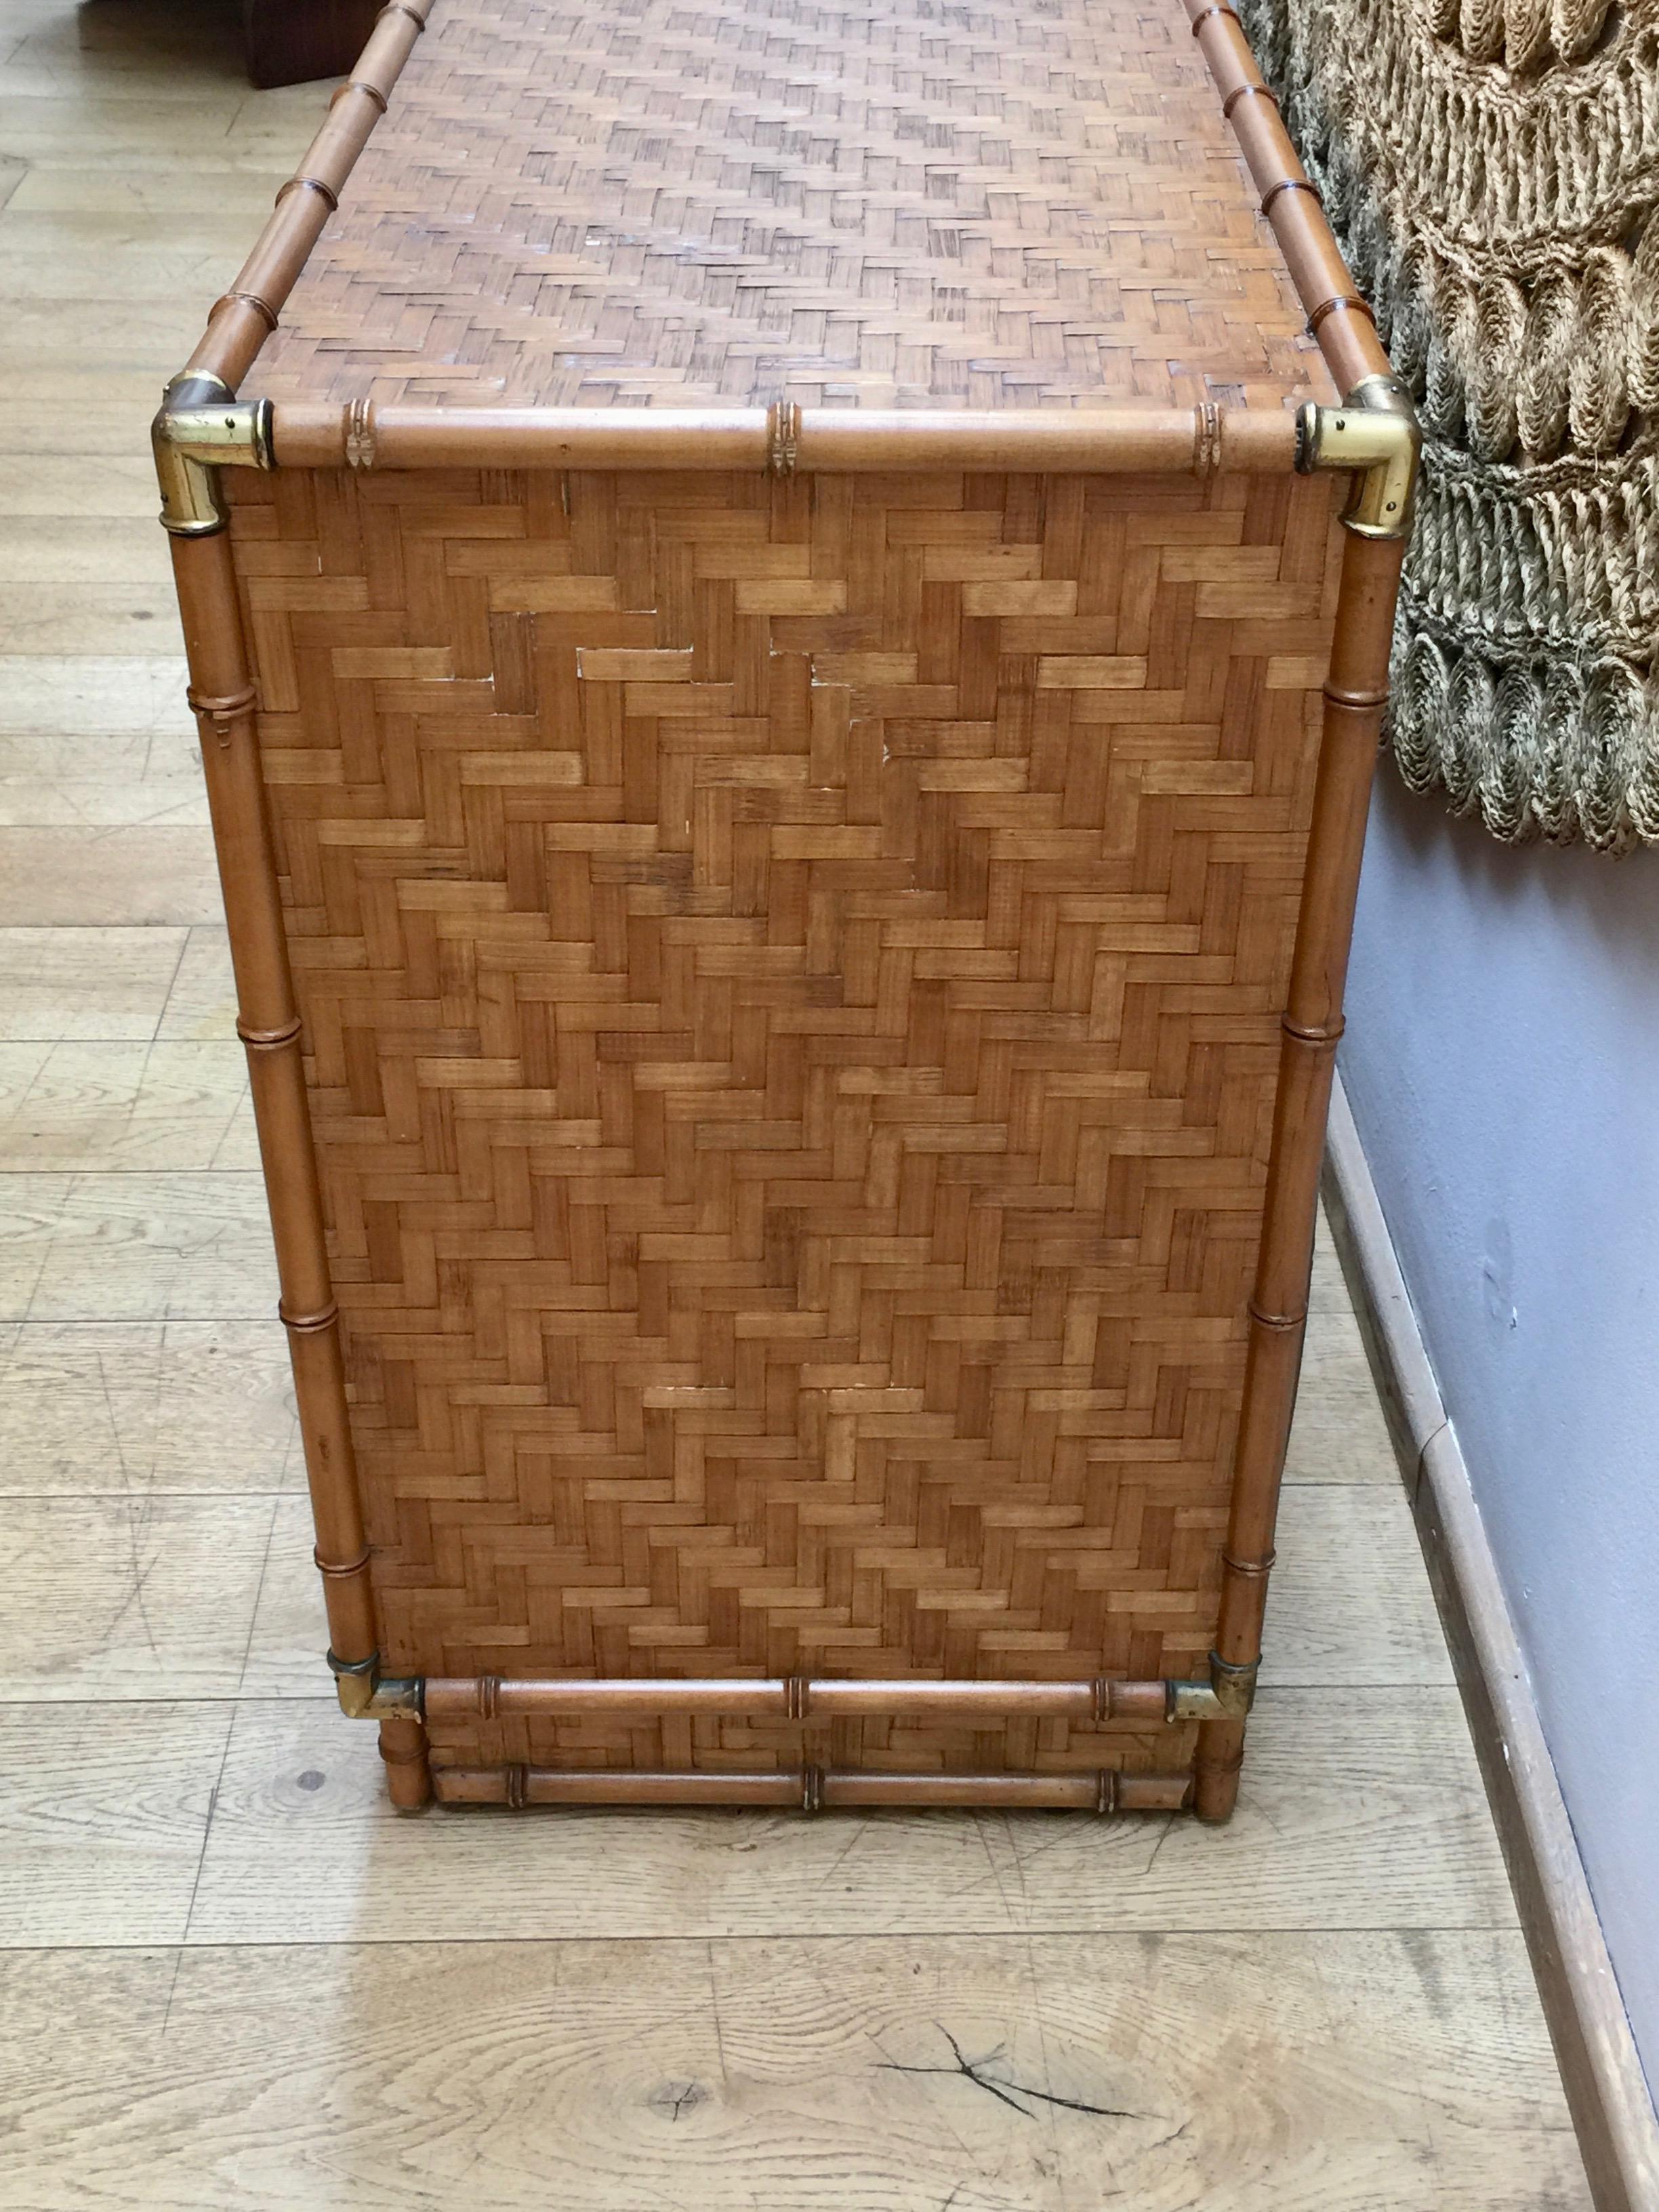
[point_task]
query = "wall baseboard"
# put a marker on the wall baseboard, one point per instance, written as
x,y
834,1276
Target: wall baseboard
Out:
x,y
1607,2090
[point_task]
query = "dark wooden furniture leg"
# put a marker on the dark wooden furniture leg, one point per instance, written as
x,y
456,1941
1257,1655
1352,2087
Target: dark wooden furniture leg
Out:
x,y
289,40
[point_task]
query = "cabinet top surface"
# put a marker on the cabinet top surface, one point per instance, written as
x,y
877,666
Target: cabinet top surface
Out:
x,y
876,203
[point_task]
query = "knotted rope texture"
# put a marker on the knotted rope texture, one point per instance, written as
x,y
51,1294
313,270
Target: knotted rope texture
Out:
x,y
1492,169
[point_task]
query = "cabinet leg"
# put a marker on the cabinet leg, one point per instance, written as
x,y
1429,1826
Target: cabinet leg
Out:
x,y
1215,1772
408,1776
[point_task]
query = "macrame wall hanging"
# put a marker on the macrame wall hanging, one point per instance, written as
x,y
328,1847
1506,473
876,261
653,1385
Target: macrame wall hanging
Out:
x,y
1491,169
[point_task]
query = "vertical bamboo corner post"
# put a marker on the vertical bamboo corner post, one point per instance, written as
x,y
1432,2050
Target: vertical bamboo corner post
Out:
x,y
200,428
222,698
1376,432
1372,434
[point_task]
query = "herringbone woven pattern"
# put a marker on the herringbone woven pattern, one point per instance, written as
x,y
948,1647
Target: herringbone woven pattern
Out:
x,y
791,972
820,200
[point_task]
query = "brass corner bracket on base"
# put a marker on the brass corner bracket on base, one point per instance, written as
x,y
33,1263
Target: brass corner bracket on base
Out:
x,y
1375,434
1227,1696
366,1694
203,428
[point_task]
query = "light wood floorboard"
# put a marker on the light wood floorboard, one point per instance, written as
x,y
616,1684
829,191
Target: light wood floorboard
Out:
x,y
126,1409
135,1247
36,801
42,616
111,198
1379,1825
231,1979
1382,2068
151,1595
1339,1434
85,985
119,874
105,1814
120,1106
1389,1832
89,482
90,698
102,550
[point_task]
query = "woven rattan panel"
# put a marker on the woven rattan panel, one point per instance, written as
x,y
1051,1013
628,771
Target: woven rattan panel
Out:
x,y
980,205
791,974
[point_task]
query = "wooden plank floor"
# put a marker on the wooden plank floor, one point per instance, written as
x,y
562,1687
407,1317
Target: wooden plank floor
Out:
x,y
229,1978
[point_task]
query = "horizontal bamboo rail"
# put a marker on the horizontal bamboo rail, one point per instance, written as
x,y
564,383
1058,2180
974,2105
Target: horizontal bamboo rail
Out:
x,y
1338,317
244,318
813,1789
1151,440
489,1697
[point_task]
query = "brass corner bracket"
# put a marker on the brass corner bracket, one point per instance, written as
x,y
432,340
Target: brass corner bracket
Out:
x,y
1374,432
203,428
366,1694
1227,1696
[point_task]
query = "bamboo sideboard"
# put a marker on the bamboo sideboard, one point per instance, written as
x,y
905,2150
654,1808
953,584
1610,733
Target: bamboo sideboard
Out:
x,y
789,612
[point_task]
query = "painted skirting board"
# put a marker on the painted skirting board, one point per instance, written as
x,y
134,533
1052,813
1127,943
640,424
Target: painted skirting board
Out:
x,y
1605,2084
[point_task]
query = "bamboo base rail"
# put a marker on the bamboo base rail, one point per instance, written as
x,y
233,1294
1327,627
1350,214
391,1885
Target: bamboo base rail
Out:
x,y
801,1698
814,1790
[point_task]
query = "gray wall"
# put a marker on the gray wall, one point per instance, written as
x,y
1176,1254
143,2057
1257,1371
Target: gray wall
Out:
x,y
1503,1063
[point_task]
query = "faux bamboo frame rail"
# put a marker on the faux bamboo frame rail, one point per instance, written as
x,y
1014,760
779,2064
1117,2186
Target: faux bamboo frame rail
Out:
x,y
204,428
815,1790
